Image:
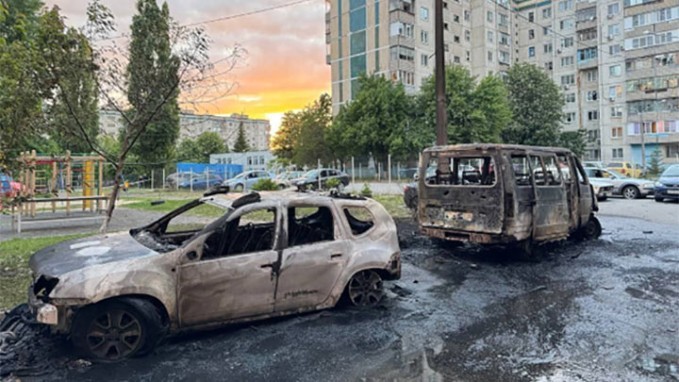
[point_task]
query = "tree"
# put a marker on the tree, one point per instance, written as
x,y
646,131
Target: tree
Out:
x,y
655,163
152,61
537,105
241,144
301,139
22,84
576,141
376,121
200,149
477,112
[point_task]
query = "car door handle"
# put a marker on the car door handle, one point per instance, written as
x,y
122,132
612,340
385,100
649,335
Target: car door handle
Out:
x,y
266,266
335,255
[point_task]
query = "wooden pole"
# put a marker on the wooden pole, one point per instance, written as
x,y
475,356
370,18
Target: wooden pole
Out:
x,y
32,190
100,185
53,185
68,182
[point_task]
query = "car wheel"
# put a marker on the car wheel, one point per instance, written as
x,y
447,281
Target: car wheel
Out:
x,y
659,200
592,229
117,329
601,198
238,188
630,192
365,289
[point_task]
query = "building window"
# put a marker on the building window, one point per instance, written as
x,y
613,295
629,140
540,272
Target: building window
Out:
x,y
614,92
616,132
456,39
568,79
547,13
567,42
467,35
424,37
468,55
570,117
489,16
503,20
566,24
456,18
616,112
567,61
490,37
424,13
617,153
592,95
613,9
490,56
592,115
531,51
565,5
548,48
569,97
592,76
614,49
456,59
503,38
424,60
531,34
466,16
615,70
613,30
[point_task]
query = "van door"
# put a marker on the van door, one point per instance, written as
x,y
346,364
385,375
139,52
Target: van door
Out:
x,y
520,215
569,174
587,203
550,213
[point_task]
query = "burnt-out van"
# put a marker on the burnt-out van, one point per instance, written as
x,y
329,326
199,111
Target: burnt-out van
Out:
x,y
504,194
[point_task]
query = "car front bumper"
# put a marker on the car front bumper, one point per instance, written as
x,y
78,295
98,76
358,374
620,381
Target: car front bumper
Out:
x,y
666,193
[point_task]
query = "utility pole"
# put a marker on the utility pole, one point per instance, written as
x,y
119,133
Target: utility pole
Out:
x,y
441,120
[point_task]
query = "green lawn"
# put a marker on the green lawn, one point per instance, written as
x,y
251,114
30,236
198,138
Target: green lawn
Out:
x,y
15,276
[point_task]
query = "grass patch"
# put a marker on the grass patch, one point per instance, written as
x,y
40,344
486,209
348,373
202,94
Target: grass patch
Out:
x,y
15,276
394,205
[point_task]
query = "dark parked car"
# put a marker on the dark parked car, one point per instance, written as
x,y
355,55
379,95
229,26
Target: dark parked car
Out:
x,y
667,187
310,180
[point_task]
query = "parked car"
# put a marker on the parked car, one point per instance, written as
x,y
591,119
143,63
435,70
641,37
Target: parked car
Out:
x,y
117,295
200,181
285,179
593,164
245,180
629,188
667,187
311,178
602,189
626,169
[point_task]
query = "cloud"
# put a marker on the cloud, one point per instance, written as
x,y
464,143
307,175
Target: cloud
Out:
x,y
284,68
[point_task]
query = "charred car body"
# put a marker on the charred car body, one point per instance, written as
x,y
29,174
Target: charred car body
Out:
x,y
504,194
116,295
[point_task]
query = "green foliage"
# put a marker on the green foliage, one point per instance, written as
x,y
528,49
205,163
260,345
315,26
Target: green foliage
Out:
x,y
301,139
477,112
241,144
152,74
333,183
537,105
265,184
655,163
576,141
366,191
200,149
377,121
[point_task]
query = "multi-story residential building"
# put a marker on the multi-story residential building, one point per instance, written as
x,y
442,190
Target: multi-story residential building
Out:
x,y
616,61
257,131
395,38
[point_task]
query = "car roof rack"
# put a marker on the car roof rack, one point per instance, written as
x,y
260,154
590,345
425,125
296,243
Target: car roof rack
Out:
x,y
216,190
252,197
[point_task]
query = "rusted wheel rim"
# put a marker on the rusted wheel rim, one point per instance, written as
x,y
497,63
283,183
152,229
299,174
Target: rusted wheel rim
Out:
x,y
114,334
365,289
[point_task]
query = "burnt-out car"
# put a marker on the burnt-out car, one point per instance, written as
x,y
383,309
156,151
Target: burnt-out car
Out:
x,y
505,194
267,255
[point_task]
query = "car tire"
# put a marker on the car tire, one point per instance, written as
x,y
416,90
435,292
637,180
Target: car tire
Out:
x,y
601,198
591,230
659,200
630,192
238,188
365,289
117,329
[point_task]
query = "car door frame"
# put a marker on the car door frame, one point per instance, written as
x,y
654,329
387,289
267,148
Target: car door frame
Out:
x,y
264,263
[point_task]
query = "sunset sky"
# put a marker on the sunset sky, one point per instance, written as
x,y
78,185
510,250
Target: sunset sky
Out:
x,y
284,68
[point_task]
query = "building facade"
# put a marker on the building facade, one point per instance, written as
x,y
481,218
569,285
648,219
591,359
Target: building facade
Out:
x,y
395,38
616,61
250,160
257,131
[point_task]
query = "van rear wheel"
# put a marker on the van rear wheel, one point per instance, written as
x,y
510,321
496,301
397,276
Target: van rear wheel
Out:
x,y
591,230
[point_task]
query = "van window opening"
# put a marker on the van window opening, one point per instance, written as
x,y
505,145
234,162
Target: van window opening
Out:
x,y
462,171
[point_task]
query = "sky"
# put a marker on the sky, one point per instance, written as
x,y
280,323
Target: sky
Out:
x,y
284,68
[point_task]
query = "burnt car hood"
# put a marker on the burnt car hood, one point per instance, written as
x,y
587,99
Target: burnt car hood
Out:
x,y
77,254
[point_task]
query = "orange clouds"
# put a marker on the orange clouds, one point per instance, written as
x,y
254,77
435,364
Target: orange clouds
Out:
x,y
284,68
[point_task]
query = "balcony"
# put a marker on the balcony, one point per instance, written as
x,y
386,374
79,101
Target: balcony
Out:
x,y
402,6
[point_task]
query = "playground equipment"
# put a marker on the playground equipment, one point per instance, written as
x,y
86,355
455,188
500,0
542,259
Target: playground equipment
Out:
x,y
50,180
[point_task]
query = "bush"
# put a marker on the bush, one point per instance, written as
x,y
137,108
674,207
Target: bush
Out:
x,y
265,184
366,191
333,183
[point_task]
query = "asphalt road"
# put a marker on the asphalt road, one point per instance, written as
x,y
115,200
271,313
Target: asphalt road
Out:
x,y
604,310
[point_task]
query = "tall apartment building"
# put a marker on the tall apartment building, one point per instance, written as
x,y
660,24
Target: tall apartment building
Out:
x,y
616,61
257,131
395,38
